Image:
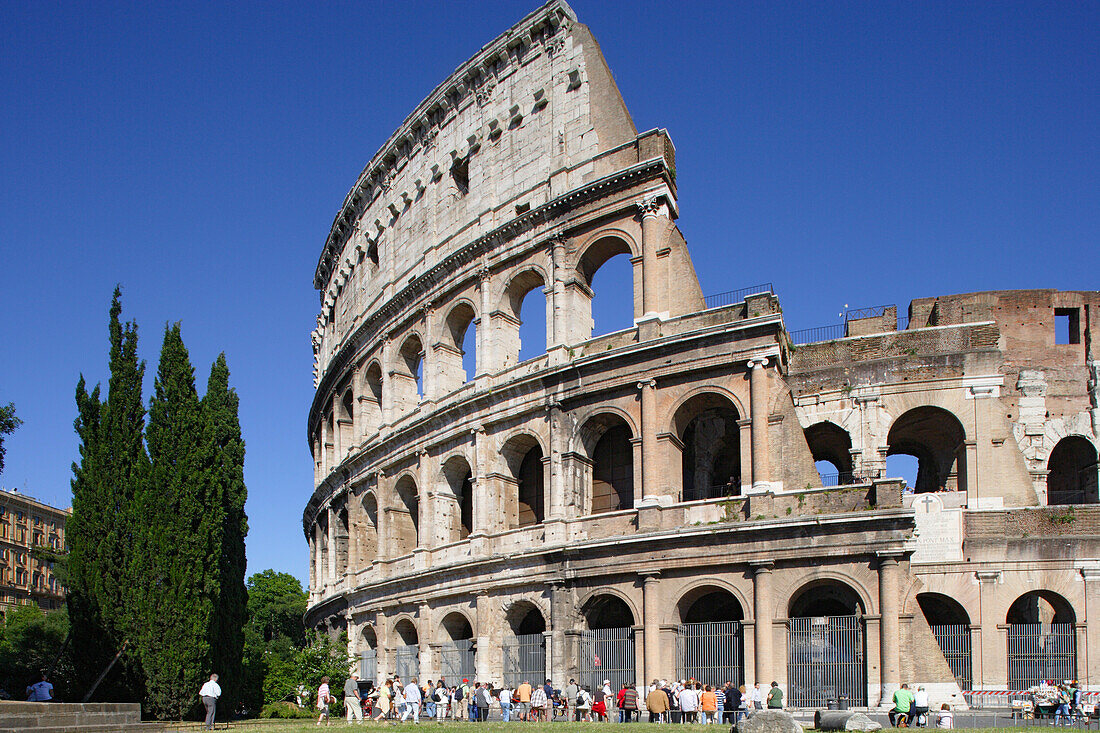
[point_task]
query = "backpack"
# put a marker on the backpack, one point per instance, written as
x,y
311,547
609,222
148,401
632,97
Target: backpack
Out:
x,y
580,700
458,693
435,696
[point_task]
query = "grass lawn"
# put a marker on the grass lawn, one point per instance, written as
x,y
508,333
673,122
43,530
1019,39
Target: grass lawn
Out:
x,y
302,726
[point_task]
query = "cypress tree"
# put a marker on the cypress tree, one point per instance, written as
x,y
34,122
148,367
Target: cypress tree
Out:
x,y
112,470
176,608
225,548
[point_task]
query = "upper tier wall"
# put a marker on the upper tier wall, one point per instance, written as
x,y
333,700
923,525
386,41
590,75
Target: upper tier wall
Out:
x,y
518,125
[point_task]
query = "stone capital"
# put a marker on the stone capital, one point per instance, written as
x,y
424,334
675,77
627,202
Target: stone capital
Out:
x,y
649,206
650,383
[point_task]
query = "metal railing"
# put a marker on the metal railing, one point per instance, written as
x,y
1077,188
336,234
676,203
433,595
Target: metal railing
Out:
x,y
954,642
826,661
711,652
368,665
456,659
406,661
1040,652
842,478
874,311
719,491
818,333
607,654
524,659
731,297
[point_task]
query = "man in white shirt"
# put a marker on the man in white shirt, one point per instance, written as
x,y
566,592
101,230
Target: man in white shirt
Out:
x,y
210,693
41,691
689,703
412,701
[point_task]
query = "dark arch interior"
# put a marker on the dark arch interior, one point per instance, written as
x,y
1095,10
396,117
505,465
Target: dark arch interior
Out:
x,y
457,627
936,439
369,638
461,483
825,599
1073,472
940,610
712,454
1041,607
531,488
613,470
710,605
407,633
527,620
608,612
831,443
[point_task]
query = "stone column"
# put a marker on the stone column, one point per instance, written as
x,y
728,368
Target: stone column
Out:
x,y
331,543
758,395
423,641
980,465
557,336
994,632
354,555
559,667
745,434
484,634
326,440
318,558
387,381
650,473
889,627
652,295
313,571
762,618
1091,650
651,626
481,488
337,431
485,362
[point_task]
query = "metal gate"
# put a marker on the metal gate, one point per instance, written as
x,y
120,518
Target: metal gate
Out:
x,y
954,641
524,659
607,654
368,666
457,660
712,653
1040,652
406,662
826,660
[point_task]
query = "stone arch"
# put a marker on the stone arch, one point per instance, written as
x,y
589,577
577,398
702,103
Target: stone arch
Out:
x,y
455,626
937,439
601,246
404,515
825,579
343,536
608,439
1072,467
706,424
524,617
370,397
1041,607
407,382
940,610
597,253
344,409
450,349
608,609
368,532
457,494
525,490
831,445
509,317
404,630
709,602
368,638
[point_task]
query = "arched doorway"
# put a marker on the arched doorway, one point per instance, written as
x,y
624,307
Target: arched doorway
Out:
x,y
831,448
524,506
1073,474
457,495
368,655
456,653
606,269
607,439
936,440
520,324
950,624
706,426
405,517
826,643
524,645
368,533
710,639
607,646
1042,639
406,653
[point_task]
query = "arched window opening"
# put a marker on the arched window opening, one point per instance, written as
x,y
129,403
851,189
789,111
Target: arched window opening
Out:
x,y
330,445
607,612
406,655
372,399
1042,639
711,438
346,421
342,536
524,500
1073,472
936,439
710,639
368,536
457,649
458,511
368,655
608,302
524,647
325,564
607,647
405,517
457,627
950,624
408,375
831,448
456,352
825,645
521,320
607,439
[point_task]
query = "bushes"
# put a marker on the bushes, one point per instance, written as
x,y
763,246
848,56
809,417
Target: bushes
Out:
x,y
285,710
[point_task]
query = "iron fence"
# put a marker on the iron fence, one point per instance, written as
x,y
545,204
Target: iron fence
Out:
x,y
731,297
826,660
954,642
1040,652
836,479
607,654
718,491
819,333
711,652
368,665
406,661
456,660
524,659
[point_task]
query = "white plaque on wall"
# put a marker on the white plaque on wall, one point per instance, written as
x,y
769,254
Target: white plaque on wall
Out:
x,y
939,531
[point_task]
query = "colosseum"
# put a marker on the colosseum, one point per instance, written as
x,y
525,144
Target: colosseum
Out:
x,y
704,493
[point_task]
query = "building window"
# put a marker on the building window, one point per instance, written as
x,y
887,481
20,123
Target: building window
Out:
x,y
1067,325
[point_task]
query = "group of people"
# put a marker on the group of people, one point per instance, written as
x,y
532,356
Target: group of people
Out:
x,y
911,710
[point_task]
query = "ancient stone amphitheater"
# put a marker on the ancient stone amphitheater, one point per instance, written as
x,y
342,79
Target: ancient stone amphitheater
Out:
x,y
704,493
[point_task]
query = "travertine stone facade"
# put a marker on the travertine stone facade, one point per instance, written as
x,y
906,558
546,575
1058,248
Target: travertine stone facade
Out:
x,y
669,482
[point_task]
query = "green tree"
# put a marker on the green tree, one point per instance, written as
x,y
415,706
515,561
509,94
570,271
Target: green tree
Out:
x,y
274,635
113,467
8,423
176,604
226,527
30,641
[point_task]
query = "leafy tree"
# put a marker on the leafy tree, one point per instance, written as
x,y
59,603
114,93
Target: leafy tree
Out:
x,y
30,641
113,467
8,423
274,634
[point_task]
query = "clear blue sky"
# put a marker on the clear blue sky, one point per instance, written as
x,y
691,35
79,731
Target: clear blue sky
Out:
x,y
851,153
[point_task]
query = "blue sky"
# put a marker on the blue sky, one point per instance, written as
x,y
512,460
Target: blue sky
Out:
x,y
850,153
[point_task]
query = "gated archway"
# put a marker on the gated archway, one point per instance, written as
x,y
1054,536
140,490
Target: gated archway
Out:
x,y
368,655
456,653
406,654
1042,640
826,646
607,646
950,624
710,640
524,645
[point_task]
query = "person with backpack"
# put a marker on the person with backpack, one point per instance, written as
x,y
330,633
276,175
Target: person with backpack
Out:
x,y
569,694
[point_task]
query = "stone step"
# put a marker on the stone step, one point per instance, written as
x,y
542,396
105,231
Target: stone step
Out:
x,y
106,728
